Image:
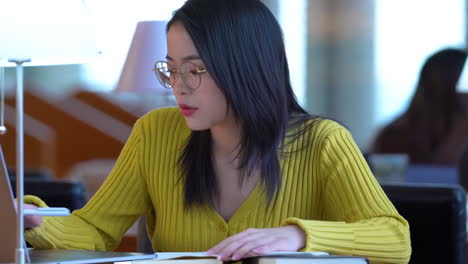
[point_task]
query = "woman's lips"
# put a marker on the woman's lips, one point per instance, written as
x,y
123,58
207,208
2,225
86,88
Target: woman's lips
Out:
x,y
187,110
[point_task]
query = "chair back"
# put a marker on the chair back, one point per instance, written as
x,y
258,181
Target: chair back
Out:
x,y
463,169
55,193
437,217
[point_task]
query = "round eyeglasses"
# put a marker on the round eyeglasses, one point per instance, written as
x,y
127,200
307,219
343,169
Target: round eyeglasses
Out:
x,y
189,73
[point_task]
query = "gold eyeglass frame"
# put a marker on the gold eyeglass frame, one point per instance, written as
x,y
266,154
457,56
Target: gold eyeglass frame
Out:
x,y
199,72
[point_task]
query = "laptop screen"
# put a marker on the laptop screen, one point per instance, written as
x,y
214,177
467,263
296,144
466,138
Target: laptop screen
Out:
x,y
7,216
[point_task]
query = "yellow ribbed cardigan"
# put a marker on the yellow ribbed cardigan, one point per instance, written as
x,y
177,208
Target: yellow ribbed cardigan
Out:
x,y
327,189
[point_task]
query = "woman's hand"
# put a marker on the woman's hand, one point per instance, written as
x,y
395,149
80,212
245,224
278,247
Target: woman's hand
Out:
x,y
258,241
31,221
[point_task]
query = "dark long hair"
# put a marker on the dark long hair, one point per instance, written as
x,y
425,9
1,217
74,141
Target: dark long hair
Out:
x,y
436,92
241,45
435,103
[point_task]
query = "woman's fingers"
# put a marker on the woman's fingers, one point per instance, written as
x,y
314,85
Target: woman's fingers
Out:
x,y
260,241
31,221
247,248
232,239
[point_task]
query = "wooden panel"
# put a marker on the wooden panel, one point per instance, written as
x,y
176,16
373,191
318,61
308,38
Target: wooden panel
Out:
x,y
100,102
127,244
39,143
76,141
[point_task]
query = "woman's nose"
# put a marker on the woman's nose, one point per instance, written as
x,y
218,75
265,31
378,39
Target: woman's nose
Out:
x,y
179,86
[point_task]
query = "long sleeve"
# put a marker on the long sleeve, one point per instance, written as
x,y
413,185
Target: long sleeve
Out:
x,y
358,218
113,209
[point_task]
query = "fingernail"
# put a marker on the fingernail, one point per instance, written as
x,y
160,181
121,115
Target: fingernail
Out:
x,y
257,251
235,257
220,257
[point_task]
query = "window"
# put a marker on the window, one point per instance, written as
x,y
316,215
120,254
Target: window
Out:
x,y
115,23
293,20
407,32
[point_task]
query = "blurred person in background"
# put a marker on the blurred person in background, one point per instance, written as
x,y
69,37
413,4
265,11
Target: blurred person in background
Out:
x,y
434,128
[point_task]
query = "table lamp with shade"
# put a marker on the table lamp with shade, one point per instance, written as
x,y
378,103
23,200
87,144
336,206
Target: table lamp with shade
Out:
x,y
32,33
148,46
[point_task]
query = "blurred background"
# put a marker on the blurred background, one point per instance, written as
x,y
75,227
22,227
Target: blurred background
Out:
x,y
353,60
356,61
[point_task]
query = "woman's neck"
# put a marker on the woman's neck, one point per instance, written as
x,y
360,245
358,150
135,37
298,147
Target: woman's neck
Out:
x,y
226,138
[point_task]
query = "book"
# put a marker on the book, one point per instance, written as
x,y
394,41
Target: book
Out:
x,y
182,255
181,258
324,259
194,255
187,260
268,258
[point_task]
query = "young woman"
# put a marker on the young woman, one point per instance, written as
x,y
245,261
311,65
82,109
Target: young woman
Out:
x,y
239,167
434,128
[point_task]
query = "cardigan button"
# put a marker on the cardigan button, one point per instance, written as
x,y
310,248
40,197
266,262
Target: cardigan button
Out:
x,y
223,228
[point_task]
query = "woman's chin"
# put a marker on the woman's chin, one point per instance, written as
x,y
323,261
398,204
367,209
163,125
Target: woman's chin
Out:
x,y
196,126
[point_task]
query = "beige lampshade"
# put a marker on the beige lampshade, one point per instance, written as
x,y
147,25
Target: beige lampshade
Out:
x,y
147,47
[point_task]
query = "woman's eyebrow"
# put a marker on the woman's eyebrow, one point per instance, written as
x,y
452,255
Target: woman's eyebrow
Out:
x,y
186,58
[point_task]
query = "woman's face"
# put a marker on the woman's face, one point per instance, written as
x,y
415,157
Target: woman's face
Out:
x,y
204,107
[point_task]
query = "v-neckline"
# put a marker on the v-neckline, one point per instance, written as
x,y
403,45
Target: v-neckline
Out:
x,y
246,208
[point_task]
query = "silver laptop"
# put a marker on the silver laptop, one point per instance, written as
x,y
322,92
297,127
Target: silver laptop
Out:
x,y
8,237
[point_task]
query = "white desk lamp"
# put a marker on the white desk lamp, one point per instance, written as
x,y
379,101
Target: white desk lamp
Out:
x,y
42,32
